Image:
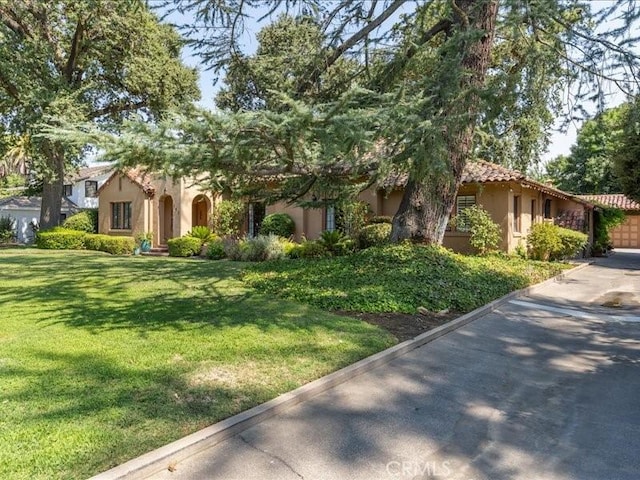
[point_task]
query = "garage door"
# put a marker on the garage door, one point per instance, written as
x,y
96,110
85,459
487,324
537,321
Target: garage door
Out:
x,y
627,235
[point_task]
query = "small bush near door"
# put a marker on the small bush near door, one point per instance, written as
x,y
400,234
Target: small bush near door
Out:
x,y
279,224
551,242
184,246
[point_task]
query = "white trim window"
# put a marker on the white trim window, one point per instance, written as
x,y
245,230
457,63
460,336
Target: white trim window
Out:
x,y
462,202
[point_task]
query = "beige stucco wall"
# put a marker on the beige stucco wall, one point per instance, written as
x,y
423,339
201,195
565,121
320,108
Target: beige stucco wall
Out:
x,y
146,211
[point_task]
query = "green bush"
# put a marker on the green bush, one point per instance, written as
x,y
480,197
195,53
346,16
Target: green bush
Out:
x,y
203,233
374,235
551,242
278,224
82,222
485,234
262,248
215,249
60,239
184,246
605,218
336,243
115,245
309,249
380,219
227,217
352,216
6,229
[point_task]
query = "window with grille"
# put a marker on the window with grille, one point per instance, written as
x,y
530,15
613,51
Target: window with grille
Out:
x,y
121,216
462,202
67,190
90,188
330,218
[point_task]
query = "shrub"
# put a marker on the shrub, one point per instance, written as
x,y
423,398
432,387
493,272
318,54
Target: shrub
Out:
x,y
336,243
278,224
215,249
484,232
232,247
82,222
60,239
374,235
184,246
262,248
227,217
380,219
551,242
288,246
6,229
309,249
203,233
605,218
115,245
352,216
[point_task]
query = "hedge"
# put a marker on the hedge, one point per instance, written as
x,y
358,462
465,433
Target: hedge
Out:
x,y
374,235
551,242
61,239
184,246
110,244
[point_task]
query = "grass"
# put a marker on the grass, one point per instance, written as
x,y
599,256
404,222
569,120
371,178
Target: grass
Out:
x,y
104,358
399,278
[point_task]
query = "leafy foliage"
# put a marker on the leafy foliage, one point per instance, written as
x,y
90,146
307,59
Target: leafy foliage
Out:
x,y
60,239
115,245
605,218
215,249
227,217
589,168
6,229
262,248
336,242
485,234
184,246
203,233
399,278
547,241
278,224
627,163
352,216
81,221
374,235
308,249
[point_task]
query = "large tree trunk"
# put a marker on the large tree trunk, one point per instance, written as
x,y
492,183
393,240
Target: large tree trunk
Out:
x,y
428,199
52,187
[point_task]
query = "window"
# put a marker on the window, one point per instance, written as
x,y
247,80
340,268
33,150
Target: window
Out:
x,y
121,216
462,202
516,213
67,190
534,212
547,208
90,188
255,217
330,218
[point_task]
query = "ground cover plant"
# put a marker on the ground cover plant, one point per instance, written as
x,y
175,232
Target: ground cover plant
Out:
x,y
103,358
398,278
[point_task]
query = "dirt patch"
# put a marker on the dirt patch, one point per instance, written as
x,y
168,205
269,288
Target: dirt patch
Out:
x,y
403,326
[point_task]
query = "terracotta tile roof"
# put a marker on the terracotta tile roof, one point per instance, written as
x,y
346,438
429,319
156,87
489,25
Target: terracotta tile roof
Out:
x,y
483,171
138,176
618,200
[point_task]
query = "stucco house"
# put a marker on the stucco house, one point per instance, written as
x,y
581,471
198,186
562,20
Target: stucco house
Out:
x,y
25,211
626,235
134,201
81,186
514,202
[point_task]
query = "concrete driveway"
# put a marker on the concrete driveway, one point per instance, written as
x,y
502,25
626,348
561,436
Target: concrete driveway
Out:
x,y
547,387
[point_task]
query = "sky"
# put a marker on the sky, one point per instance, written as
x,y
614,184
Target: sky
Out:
x,y
560,141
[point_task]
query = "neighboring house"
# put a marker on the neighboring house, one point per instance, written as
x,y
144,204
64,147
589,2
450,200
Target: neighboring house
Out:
x,y
626,235
26,211
135,201
82,186
514,202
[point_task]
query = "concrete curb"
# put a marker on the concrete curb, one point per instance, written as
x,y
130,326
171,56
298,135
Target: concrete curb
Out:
x,y
160,459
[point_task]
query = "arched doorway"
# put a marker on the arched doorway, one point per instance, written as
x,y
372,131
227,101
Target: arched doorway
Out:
x,y
166,219
200,211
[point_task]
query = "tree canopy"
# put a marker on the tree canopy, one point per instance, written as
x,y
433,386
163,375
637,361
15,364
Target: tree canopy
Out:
x,y
627,156
83,61
589,168
432,91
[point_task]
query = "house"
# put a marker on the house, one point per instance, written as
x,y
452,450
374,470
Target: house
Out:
x,y
26,211
81,187
135,201
514,201
626,235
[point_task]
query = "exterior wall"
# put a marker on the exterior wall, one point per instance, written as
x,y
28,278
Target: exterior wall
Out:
x,y
22,222
310,222
627,235
121,189
78,191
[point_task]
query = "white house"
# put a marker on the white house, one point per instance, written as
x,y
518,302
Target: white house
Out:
x,y
82,186
25,211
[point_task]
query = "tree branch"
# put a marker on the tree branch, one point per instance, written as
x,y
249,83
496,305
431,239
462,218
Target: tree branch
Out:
x,y
11,21
9,87
74,52
118,108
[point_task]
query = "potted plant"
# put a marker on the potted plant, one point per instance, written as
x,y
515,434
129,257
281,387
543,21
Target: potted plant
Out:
x,y
143,240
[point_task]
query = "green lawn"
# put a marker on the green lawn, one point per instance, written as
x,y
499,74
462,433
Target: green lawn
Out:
x,y
104,358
